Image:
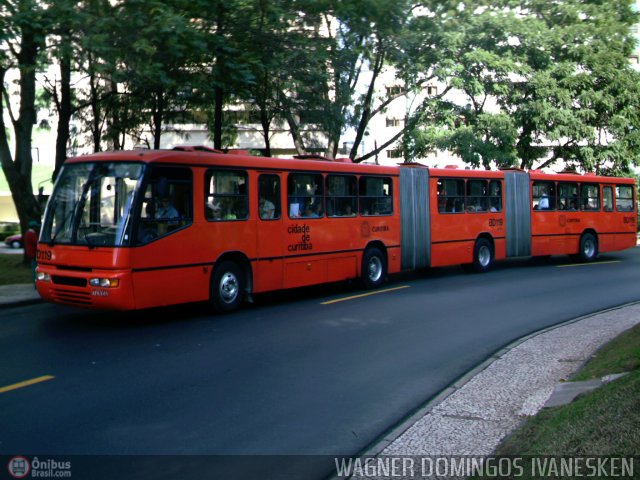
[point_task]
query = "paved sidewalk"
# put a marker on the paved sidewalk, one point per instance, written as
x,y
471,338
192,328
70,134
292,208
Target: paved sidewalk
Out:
x,y
18,294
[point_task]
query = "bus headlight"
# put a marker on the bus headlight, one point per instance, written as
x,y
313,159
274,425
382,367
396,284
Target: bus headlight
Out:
x,y
104,282
43,277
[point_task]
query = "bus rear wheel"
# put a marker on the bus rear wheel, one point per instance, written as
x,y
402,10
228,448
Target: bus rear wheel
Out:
x,y
483,256
588,248
374,268
227,287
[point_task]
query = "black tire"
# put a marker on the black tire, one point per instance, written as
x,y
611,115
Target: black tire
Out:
x,y
227,287
483,256
16,244
374,268
588,248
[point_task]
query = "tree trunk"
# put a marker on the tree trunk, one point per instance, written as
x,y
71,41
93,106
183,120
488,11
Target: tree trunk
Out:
x,y
116,129
294,129
217,118
158,114
64,114
264,120
17,170
96,129
366,110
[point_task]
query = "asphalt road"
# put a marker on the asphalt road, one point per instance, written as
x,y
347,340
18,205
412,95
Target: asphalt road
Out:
x,y
286,376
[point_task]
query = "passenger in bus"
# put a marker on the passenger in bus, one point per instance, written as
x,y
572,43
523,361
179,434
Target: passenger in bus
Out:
x,y
309,212
543,204
214,209
228,210
240,207
166,209
608,207
451,205
267,209
387,206
348,211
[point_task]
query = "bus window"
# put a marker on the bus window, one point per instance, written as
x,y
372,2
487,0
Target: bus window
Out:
x,y
495,196
608,199
477,196
450,196
342,196
624,198
544,196
92,204
590,197
305,195
269,197
166,203
226,195
375,196
568,196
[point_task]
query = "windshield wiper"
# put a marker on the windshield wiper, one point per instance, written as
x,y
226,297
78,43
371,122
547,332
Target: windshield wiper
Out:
x,y
85,229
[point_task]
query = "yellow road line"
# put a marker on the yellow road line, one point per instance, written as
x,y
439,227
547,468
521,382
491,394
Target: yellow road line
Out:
x,y
353,297
26,383
584,264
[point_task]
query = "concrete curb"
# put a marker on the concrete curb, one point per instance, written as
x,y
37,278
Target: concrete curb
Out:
x,y
20,303
18,295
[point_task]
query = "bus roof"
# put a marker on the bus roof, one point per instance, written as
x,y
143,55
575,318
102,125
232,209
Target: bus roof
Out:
x,y
205,157
240,160
576,177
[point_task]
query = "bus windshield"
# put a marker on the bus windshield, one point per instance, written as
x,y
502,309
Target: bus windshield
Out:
x,y
91,204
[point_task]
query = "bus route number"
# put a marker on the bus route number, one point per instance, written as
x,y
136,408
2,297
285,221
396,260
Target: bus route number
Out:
x,y
43,255
495,222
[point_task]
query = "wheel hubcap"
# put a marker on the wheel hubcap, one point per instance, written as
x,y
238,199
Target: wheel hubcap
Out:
x,y
228,287
484,256
589,248
375,269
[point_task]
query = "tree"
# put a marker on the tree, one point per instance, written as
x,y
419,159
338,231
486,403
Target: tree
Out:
x,y
159,59
348,45
537,83
22,27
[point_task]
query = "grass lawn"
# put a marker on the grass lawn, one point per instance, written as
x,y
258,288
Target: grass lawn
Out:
x,y
602,422
12,270
620,355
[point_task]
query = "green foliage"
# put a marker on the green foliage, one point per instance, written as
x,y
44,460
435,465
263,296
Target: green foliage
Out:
x,y
527,83
539,82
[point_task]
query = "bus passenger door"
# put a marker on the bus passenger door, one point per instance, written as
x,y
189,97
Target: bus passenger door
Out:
x,y
268,269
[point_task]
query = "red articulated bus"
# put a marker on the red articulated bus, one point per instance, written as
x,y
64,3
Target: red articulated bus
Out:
x,y
139,229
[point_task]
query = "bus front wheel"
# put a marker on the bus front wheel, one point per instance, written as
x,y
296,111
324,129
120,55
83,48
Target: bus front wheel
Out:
x,y
227,287
374,268
588,248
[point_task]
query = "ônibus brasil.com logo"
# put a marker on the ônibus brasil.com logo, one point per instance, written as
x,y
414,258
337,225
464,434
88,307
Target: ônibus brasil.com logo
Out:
x,y
19,467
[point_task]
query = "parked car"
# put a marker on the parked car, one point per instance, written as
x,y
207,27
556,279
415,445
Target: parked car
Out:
x,y
14,241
